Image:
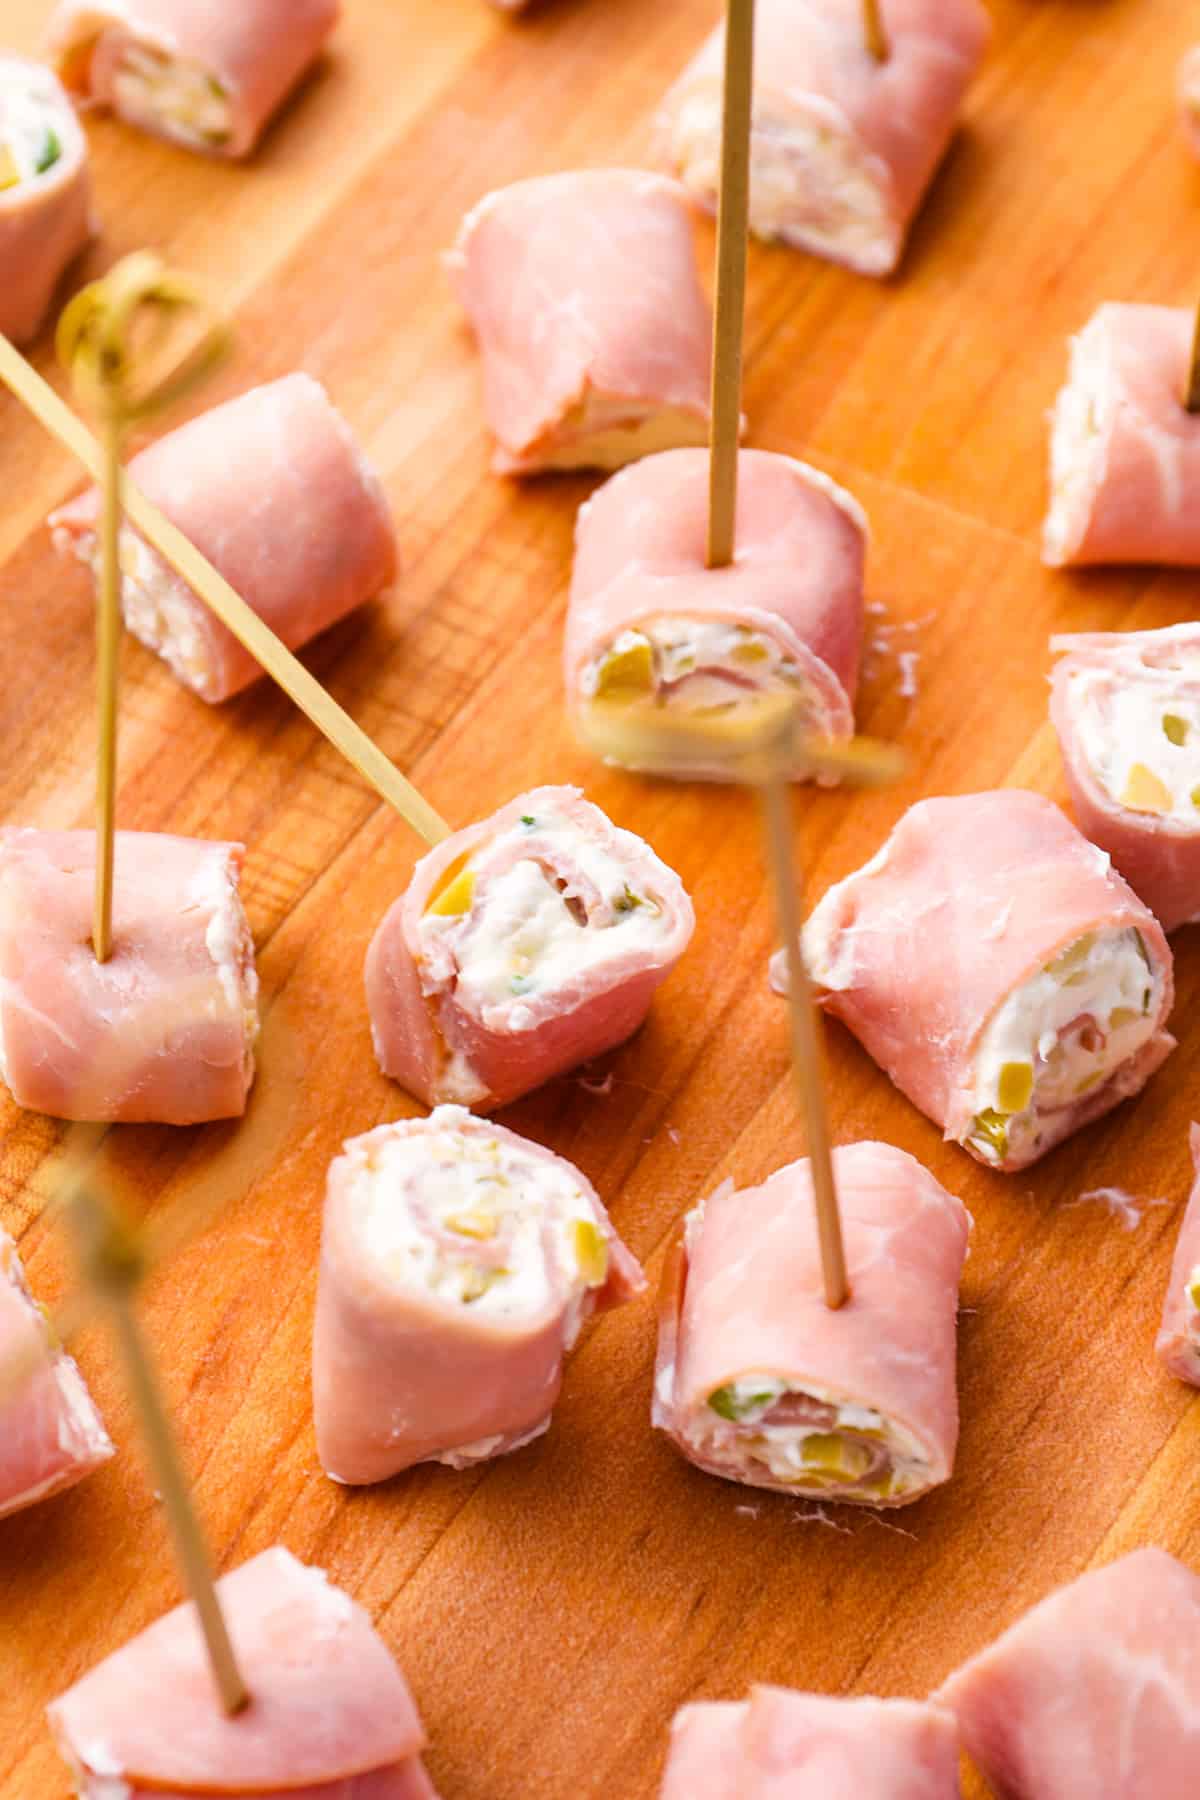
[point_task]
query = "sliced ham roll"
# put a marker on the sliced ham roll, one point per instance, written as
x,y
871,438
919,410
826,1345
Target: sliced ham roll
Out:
x,y
522,947
51,1434
45,193
458,1265
782,1745
593,329
1178,1343
273,489
202,73
330,1714
650,626
1124,450
1094,1692
998,968
758,1381
1126,707
164,1030
1188,89
843,147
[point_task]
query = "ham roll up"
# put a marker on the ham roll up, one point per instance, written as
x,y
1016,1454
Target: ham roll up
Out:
x,y
593,329
51,1434
206,74
1188,92
998,968
273,489
1126,707
458,1264
163,1032
330,1715
1095,1692
758,1381
1124,450
843,147
650,626
782,1745
1178,1343
522,947
45,193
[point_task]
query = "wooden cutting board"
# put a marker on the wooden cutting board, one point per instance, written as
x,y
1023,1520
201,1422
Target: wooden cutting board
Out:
x,y
553,1609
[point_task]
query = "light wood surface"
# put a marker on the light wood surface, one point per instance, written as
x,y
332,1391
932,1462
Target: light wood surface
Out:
x,y
553,1609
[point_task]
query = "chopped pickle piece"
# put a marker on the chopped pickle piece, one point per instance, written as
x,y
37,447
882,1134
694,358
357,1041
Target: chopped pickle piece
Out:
x,y
1122,1015
527,819
1175,728
992,1127
10,175
628,671
749,653
1193,1289
476,1282
49,153
833,1454
1074,953
1144,792
1089,1081
1194,797
591,1252
456,895
472,1224
1016,1087
729,1405
628,901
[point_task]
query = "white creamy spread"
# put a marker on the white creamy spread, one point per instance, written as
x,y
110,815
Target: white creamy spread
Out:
x,y
181,99
1062,1035
229,943
471,1217
1080,425
34,122
1141,737
528,931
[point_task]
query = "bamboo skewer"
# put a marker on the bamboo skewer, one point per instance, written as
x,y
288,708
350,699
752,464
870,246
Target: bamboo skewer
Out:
x,y
873,31
108,650
1191,398
290,674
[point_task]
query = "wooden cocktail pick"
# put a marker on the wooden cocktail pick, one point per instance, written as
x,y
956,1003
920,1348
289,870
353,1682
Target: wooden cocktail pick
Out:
x,y
873,32
112,1266
1191,398
106,337
360,750
733,231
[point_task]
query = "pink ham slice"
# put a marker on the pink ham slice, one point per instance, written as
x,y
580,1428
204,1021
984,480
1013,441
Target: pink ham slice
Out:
x,y
402,1375
746,1299
164,1030
782,1745
442,1044
969,898
1188,90
1095,1692
831,124
797,579
257,50
273,489
44,223
330,1716
1158,854
1178,1343
1125,453
51,1434
592,326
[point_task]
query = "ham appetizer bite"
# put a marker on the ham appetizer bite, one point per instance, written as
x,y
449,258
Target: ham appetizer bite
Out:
x,y
523,946
1095,1692
51,1434
782,1745
273,489
1124,450
330,1714
593,329
1178,1343
1188,89
649,626
759,1381
843,147
1126,707
163,1032
999,970
206,74
45,193
458,1265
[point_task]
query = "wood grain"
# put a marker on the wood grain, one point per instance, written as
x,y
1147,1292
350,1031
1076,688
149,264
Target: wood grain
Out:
x,y
552,1610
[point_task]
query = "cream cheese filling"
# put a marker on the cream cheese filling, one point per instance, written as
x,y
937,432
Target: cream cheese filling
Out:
x,y
1060,1036
181,99
679,660
476,1221
155,610
34,123
1141,738
1080,426
606,432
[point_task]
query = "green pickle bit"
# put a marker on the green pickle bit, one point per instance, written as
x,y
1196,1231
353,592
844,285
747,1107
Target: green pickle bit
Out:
x,y
1175,728
992,1127
629,671
591,1252
628,901
528,819
830,1453
49,153
1193,1289
727,1405
1015,1087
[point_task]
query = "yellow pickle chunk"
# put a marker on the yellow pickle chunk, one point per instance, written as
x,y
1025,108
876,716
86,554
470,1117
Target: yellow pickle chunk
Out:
x,y
591,1251
455,897
627,671
1144,792
473,1224
992,1128
10,175
1174,728
830,1453
1016,1087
